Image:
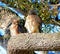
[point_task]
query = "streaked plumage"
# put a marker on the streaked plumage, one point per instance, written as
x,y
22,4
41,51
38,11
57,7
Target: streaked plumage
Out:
x,y
32,23
16,28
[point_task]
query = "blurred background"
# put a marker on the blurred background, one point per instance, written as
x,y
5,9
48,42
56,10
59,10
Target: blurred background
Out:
x,y
48,10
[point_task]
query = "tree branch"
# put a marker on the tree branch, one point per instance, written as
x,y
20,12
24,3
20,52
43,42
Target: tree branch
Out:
x,y
34,41
56,22
55,5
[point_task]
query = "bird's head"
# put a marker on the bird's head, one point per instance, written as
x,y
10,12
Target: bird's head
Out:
x,y
32,12
15,21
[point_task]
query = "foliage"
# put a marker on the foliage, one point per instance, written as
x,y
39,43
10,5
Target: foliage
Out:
x,y
54,1
26,5
43,9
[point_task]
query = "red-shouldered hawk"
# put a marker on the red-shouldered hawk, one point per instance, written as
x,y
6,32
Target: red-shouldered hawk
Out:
x,y
33,22
14,27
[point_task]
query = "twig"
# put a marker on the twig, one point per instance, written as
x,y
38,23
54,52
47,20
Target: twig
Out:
x,y
55,6
56,22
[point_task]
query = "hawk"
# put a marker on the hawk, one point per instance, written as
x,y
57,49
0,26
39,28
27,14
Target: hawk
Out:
x,y
33,22
15,27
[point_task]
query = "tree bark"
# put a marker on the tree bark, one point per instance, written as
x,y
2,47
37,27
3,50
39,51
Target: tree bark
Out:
x,y
33,41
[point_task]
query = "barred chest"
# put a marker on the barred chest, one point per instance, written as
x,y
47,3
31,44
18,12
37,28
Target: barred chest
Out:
x,y
14,30
32,26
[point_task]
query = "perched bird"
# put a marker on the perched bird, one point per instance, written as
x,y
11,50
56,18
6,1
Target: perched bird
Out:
x,y
33,22
15,27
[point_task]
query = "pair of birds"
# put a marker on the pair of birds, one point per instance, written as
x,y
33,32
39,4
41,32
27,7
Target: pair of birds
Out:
x,y
32,24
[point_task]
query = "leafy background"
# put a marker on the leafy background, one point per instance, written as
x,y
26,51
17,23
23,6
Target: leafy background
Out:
x,y
46,9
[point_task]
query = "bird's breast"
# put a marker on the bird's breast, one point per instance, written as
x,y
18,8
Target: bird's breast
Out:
x,y
14,30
